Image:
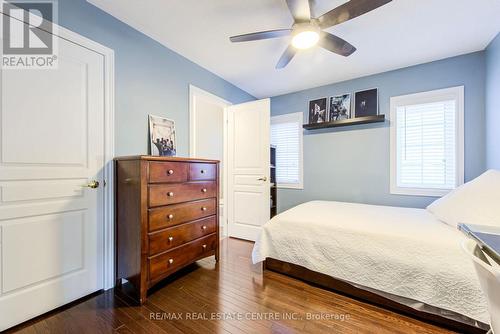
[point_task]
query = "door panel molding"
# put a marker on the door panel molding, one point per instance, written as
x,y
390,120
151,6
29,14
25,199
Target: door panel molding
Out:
x,y
43,234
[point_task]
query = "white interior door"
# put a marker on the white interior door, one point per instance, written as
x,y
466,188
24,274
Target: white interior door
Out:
x,y
248,168
208,137
51,143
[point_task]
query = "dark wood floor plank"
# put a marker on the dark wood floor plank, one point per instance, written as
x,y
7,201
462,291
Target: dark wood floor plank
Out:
x,y
232,286
277,296
143,315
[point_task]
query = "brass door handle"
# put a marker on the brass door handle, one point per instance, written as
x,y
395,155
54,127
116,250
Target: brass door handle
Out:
x,y
264,178
92,184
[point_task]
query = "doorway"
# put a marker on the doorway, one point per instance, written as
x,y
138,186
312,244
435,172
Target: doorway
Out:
x,y
239,137
208,138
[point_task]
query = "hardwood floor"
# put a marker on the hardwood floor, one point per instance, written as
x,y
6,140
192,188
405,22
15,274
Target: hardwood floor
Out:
x,y
233,288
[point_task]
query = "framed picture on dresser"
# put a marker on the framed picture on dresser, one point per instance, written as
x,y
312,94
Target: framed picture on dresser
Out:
x,y
162,136
366,103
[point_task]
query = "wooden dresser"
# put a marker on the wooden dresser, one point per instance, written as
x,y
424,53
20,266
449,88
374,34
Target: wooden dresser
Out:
x,y
166,216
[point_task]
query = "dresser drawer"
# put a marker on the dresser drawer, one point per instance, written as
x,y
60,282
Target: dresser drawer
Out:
x,y
171,215
165,194
168,172
166,263
202,172
181,234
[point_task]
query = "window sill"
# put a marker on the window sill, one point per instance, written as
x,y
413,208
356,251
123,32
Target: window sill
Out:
x,y
420,192
290,186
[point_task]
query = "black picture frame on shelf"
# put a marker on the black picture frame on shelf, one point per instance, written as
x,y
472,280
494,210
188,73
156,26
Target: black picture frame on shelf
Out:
x,y
340,107
366,103
318,111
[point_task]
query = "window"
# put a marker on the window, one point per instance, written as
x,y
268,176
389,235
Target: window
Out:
x,y
286,135
427,145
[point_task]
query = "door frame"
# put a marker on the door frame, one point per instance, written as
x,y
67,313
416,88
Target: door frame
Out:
x,y
193,93
107,232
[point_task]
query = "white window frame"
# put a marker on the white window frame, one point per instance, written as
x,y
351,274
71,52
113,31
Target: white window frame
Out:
x,y
299,118
453,93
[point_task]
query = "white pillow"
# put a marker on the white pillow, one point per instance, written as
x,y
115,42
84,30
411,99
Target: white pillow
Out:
x,y
476,202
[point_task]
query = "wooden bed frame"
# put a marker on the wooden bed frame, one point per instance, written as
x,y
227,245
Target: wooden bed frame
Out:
x,y
349,290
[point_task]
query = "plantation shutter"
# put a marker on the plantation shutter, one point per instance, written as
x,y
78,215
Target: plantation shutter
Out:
x,y
286,135
426,145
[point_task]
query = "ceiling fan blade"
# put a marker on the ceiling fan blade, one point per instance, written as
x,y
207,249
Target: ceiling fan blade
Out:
x,y
336,44
286,57
260,35
348,11
300,9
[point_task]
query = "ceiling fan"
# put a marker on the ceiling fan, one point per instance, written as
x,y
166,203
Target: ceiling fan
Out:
x,y
307,30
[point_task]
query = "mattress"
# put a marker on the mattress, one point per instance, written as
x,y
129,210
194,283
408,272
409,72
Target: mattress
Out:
x,y
403,252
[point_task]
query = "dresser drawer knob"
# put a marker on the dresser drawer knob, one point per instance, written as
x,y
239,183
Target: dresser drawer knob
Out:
x,y
170,239
204,227
204,246
170,172
170,194
171,261
203,209
170,216
204,190
202,171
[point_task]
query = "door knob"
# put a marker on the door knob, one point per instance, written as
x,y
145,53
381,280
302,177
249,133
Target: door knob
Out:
x,y
264,178
92,184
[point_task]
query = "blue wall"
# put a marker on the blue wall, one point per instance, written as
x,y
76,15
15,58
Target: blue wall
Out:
x,y
149,78
352,163
492,104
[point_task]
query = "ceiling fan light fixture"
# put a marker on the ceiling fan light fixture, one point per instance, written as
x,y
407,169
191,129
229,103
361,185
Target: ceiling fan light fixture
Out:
x,y
305,39
305,36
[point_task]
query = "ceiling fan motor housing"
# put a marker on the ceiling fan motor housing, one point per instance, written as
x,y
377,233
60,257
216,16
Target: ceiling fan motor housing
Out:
x,y
313,25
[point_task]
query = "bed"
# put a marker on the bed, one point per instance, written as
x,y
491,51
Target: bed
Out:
x,y
407,256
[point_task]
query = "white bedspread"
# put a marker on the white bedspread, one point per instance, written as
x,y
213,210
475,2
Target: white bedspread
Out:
x,y
402,251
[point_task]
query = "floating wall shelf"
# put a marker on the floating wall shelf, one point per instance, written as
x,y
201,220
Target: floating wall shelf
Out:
x,y
346,122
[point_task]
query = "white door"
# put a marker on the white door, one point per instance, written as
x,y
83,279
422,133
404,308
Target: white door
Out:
x,y
51,144
207,137
248,168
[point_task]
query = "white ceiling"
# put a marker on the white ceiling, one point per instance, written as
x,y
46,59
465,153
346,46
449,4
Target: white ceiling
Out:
x,y
399,34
